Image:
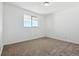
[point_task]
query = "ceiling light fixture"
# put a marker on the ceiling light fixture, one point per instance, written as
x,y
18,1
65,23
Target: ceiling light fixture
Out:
x,y
46,3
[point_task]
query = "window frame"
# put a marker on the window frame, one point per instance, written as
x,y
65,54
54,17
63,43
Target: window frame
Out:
x,y
31,22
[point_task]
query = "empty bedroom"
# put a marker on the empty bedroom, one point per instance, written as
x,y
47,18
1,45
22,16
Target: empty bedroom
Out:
x,y
39,28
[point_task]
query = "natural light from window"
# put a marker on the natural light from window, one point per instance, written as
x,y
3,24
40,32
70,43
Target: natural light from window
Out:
x,y
30,21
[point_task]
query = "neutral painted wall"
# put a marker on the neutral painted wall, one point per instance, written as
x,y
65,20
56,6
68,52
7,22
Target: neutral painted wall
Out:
x,y
65,25
14,30
1,26
49,24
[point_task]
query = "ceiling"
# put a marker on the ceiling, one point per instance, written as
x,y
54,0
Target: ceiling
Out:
x,y
53,7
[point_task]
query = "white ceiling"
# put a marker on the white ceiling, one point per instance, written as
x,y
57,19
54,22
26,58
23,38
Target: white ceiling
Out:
x,y
41,9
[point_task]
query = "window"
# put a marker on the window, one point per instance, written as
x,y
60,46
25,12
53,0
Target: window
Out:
x,y
34,22
30,21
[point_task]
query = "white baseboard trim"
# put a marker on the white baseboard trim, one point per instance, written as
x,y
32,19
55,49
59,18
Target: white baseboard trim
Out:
x,y
59,38
1,49
22,40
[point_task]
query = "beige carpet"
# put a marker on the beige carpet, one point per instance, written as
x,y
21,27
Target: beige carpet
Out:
x,y
41,47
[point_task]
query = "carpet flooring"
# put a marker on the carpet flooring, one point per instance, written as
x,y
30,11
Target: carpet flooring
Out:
x,y
41,47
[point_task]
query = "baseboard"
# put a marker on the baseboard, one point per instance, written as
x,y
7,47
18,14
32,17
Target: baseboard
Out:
x,y
1,50
63,39
23,40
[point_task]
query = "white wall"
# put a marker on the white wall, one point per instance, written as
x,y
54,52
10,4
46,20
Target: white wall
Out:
x,y
65,25
14,30
1,25
49,24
